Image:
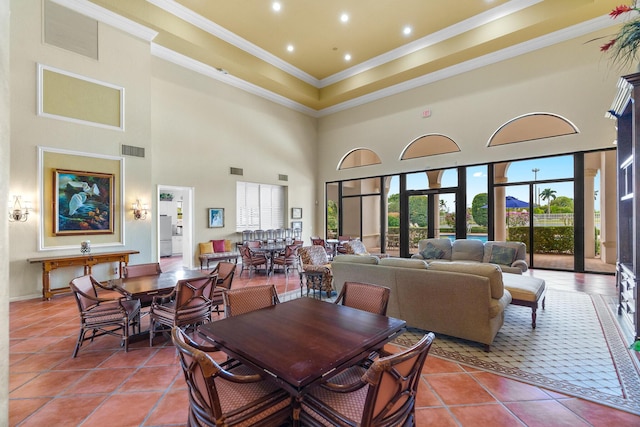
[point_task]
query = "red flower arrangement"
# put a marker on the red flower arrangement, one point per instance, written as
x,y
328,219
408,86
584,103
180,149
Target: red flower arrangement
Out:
x,y
625,45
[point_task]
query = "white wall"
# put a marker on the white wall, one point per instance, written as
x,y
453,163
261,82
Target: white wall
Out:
x,y
572,79
192,128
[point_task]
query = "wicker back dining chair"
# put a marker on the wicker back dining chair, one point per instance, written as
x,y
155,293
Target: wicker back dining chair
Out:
x,y
365,296
287,259
100,316
228,394
252,260
244,300
188,305
137,270
384,396
225,271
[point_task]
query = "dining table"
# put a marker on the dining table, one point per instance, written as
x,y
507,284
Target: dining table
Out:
x,y
145,287
270,250
300,343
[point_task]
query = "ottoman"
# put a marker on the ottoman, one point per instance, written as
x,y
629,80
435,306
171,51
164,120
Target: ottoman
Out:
x,y
526,291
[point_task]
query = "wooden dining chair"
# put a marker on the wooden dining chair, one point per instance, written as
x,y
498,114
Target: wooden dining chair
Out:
x,y
188,305
365,296
225,272
229,393
384,396
102,316
244,300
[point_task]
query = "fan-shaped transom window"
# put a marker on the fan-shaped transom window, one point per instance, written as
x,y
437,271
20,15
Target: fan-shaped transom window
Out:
x,y
530,127
359,157
429,145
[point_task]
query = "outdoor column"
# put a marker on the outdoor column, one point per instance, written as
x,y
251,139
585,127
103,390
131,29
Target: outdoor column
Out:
x,y
500,223
589,220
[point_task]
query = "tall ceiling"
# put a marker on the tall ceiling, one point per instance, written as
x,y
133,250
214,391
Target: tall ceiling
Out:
x,y
245,41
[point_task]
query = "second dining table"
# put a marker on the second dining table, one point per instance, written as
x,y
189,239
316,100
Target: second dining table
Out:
x,y
300,343
145,287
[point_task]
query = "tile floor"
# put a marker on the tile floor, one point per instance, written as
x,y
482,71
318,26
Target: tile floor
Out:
x,y
145,387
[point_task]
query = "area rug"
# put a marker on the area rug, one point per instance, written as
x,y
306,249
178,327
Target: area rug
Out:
x,y
576,349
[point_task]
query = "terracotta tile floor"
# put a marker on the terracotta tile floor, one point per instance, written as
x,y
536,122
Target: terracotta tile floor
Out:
x,y
104,386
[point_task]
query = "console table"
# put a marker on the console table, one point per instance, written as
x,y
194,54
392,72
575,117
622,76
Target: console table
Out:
x,y
87,261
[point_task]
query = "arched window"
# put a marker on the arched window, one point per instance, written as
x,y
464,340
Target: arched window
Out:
x,y
429,145
359,157
532,126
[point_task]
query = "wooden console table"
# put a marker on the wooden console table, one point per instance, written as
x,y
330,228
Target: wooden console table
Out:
x,y
87,261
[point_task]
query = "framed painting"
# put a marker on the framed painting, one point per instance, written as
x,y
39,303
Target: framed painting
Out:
x,y
216,217
83,202
296,225
296,213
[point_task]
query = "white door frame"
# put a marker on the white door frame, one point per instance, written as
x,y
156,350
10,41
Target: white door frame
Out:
x,y
187,223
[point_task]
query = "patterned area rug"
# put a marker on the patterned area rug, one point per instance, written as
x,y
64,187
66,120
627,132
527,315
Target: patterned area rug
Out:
x,y
576,349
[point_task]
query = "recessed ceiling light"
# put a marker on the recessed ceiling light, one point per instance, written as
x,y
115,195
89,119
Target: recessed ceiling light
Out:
x,y
344,17
290,48
347,57
406,30
276,6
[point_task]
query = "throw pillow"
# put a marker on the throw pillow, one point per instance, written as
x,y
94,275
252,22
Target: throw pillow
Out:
x,y
218,246
431,251
206,248
502,255
227,245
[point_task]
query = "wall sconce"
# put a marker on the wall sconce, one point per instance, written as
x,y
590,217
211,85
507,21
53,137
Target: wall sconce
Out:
x,y
139,210
18,212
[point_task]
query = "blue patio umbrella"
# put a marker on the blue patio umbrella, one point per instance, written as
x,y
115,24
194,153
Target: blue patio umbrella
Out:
x,y
512,202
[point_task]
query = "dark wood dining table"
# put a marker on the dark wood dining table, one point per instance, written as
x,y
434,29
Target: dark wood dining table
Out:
x,y
145,287
299,343
270,251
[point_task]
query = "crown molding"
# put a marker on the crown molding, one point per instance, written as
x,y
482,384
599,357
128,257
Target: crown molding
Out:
x,y
105,16
221,76
222,33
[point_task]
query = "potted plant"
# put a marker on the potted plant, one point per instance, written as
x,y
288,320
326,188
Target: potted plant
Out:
x,y
624,46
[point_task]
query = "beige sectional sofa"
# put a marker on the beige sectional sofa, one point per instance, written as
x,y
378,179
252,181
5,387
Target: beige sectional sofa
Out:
x,y
457,301
510,256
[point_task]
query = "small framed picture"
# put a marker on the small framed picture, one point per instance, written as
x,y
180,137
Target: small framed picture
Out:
x,y
216,217
296,213
296,225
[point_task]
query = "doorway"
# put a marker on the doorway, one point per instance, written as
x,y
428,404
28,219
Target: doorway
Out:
x,y
175,225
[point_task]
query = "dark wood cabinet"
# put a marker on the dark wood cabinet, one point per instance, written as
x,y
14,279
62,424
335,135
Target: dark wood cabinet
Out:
x,y
626,109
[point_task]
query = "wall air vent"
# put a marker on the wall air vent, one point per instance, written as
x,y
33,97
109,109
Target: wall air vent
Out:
x,y
282,177
236,171
130,150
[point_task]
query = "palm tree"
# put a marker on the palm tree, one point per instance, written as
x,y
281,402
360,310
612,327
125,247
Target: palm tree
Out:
x,y
549,195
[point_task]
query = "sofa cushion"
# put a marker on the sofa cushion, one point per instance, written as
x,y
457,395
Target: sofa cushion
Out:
x,y
359,259
490,271
227,245
206,248
403,262
519,247
431,251
218,246
443,244
467,250
502,255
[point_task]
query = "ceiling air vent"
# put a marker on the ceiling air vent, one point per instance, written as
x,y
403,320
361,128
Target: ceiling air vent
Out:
x,y
282,177
130,150
236,171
